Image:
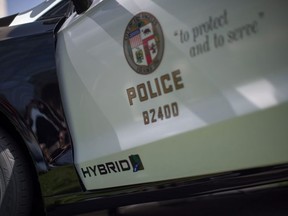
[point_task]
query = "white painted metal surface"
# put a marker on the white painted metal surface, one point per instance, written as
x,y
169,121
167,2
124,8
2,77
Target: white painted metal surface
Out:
x,y
222,82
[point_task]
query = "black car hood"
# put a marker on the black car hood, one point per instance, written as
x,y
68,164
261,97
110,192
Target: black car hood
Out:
x,y
6,21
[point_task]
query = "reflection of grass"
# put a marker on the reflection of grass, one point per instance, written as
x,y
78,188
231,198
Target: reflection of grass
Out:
x,y
78,196
283,184
61,185
59,180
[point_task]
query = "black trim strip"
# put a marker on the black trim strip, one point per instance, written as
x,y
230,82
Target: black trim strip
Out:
x,y
175,189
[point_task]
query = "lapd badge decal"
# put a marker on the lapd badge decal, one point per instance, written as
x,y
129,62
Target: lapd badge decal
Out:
x,y
144,43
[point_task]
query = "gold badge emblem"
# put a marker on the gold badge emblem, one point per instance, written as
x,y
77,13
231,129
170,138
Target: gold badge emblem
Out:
x,y
144,43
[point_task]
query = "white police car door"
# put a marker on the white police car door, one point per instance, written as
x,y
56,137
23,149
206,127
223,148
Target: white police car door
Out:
x,y
159,89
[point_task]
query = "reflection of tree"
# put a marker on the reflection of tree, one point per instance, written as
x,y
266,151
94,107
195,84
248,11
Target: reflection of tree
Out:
x,y
45,117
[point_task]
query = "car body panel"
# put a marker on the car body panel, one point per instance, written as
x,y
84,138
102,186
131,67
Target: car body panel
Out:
x,y
210,116
209,153
35,13
220,89
239,182
30,101
21,77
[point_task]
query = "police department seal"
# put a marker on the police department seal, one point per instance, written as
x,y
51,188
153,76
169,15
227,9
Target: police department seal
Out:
x,y
143,43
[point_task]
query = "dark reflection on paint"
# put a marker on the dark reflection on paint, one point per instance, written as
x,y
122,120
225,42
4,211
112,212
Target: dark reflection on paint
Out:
x,y
30,101
29,84
46,119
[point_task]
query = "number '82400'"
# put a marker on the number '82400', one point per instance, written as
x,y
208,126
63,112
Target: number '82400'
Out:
x,y
161,113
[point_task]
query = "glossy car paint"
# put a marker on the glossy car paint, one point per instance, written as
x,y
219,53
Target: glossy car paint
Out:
x,y
35,13
30,103
230,110
232,150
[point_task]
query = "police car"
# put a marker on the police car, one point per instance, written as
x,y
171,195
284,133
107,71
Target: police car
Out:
x,y
121,102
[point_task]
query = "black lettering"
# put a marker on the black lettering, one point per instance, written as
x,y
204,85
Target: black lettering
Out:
x,y
209,25
124,164
254,26
225,18
196,33
85,172
241,32
110,166
102,169
231,36
200,48
117,166
93,169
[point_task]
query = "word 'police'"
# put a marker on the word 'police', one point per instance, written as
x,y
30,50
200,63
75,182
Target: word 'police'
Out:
x,y
163,85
